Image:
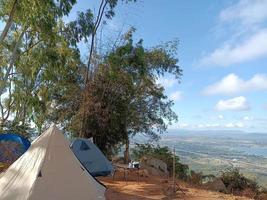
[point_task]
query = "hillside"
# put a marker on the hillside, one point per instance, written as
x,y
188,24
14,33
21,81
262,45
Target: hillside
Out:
x,y
154,187
210,152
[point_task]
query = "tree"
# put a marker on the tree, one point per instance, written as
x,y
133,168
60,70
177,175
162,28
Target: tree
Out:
x,y
32,12
40,61
86,27
123,98
32,44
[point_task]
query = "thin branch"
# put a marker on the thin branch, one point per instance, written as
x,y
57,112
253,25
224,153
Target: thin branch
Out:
x,y
10,102
9,22
2,109
96,25
13,59
32,46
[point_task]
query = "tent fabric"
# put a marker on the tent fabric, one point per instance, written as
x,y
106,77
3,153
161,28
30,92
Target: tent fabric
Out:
x,y
16,138
91,157
49,170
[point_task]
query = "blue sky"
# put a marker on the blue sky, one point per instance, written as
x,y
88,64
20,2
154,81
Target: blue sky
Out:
x,y
222,51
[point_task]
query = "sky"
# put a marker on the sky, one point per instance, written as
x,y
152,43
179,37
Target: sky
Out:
x,y
222,52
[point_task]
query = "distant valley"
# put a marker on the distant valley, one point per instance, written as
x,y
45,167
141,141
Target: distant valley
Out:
x,y
214,151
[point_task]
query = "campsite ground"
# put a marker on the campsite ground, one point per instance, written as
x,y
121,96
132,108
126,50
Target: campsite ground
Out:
x,y
154,188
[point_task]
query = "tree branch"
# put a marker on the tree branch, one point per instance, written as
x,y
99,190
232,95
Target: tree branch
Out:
x,y
13,59
8,23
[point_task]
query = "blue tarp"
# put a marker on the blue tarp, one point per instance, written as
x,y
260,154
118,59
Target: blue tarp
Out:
x,y
9,153
16,138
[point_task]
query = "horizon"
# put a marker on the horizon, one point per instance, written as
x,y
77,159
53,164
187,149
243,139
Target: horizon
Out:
x,y
228,131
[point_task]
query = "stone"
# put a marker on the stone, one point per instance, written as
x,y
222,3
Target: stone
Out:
x,y
215,185
154,166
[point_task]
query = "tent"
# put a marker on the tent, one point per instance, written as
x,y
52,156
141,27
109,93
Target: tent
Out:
x,y
16,138
91,157
49,170
12,146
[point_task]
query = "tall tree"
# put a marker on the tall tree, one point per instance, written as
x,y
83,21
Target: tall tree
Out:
x,y
30,41
85,28
123,98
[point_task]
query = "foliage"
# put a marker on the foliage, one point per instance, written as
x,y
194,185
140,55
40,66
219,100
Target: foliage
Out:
x,y
237,183
164,154
195,178
43,78
22,129
37,63
123,98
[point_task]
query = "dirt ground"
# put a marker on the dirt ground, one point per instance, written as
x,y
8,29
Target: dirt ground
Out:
x,y
152,188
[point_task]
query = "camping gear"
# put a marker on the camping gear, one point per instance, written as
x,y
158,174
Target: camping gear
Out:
x,y
133,164
127,169
49,170
136,164
91,157
12,146
15,138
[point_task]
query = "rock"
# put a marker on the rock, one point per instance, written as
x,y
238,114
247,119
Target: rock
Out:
x,y
144,173
215,185
154,166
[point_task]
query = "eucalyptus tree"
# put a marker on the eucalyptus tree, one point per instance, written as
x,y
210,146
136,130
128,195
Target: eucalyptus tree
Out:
x,y
30,34
32,13
32,16
53,73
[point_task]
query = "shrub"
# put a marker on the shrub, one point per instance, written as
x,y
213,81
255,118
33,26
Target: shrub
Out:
x,y
164,154
237,183
195,178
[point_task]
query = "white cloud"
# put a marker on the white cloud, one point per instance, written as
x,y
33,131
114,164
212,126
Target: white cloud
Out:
x,y
215,125
232,84
166,82
206,126
234,104
178,125
246,11
229,125
220,117
200,126
184,125
239,125
254,47
176,96
248,118
235,125
245,22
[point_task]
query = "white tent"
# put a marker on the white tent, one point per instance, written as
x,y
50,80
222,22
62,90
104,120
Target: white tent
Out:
x,y
49,171
91,157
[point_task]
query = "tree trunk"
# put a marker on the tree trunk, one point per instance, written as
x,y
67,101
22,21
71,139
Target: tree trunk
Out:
x,y
8,23
100,14
126,152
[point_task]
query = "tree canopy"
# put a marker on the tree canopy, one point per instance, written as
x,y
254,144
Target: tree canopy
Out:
x,y
109,97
